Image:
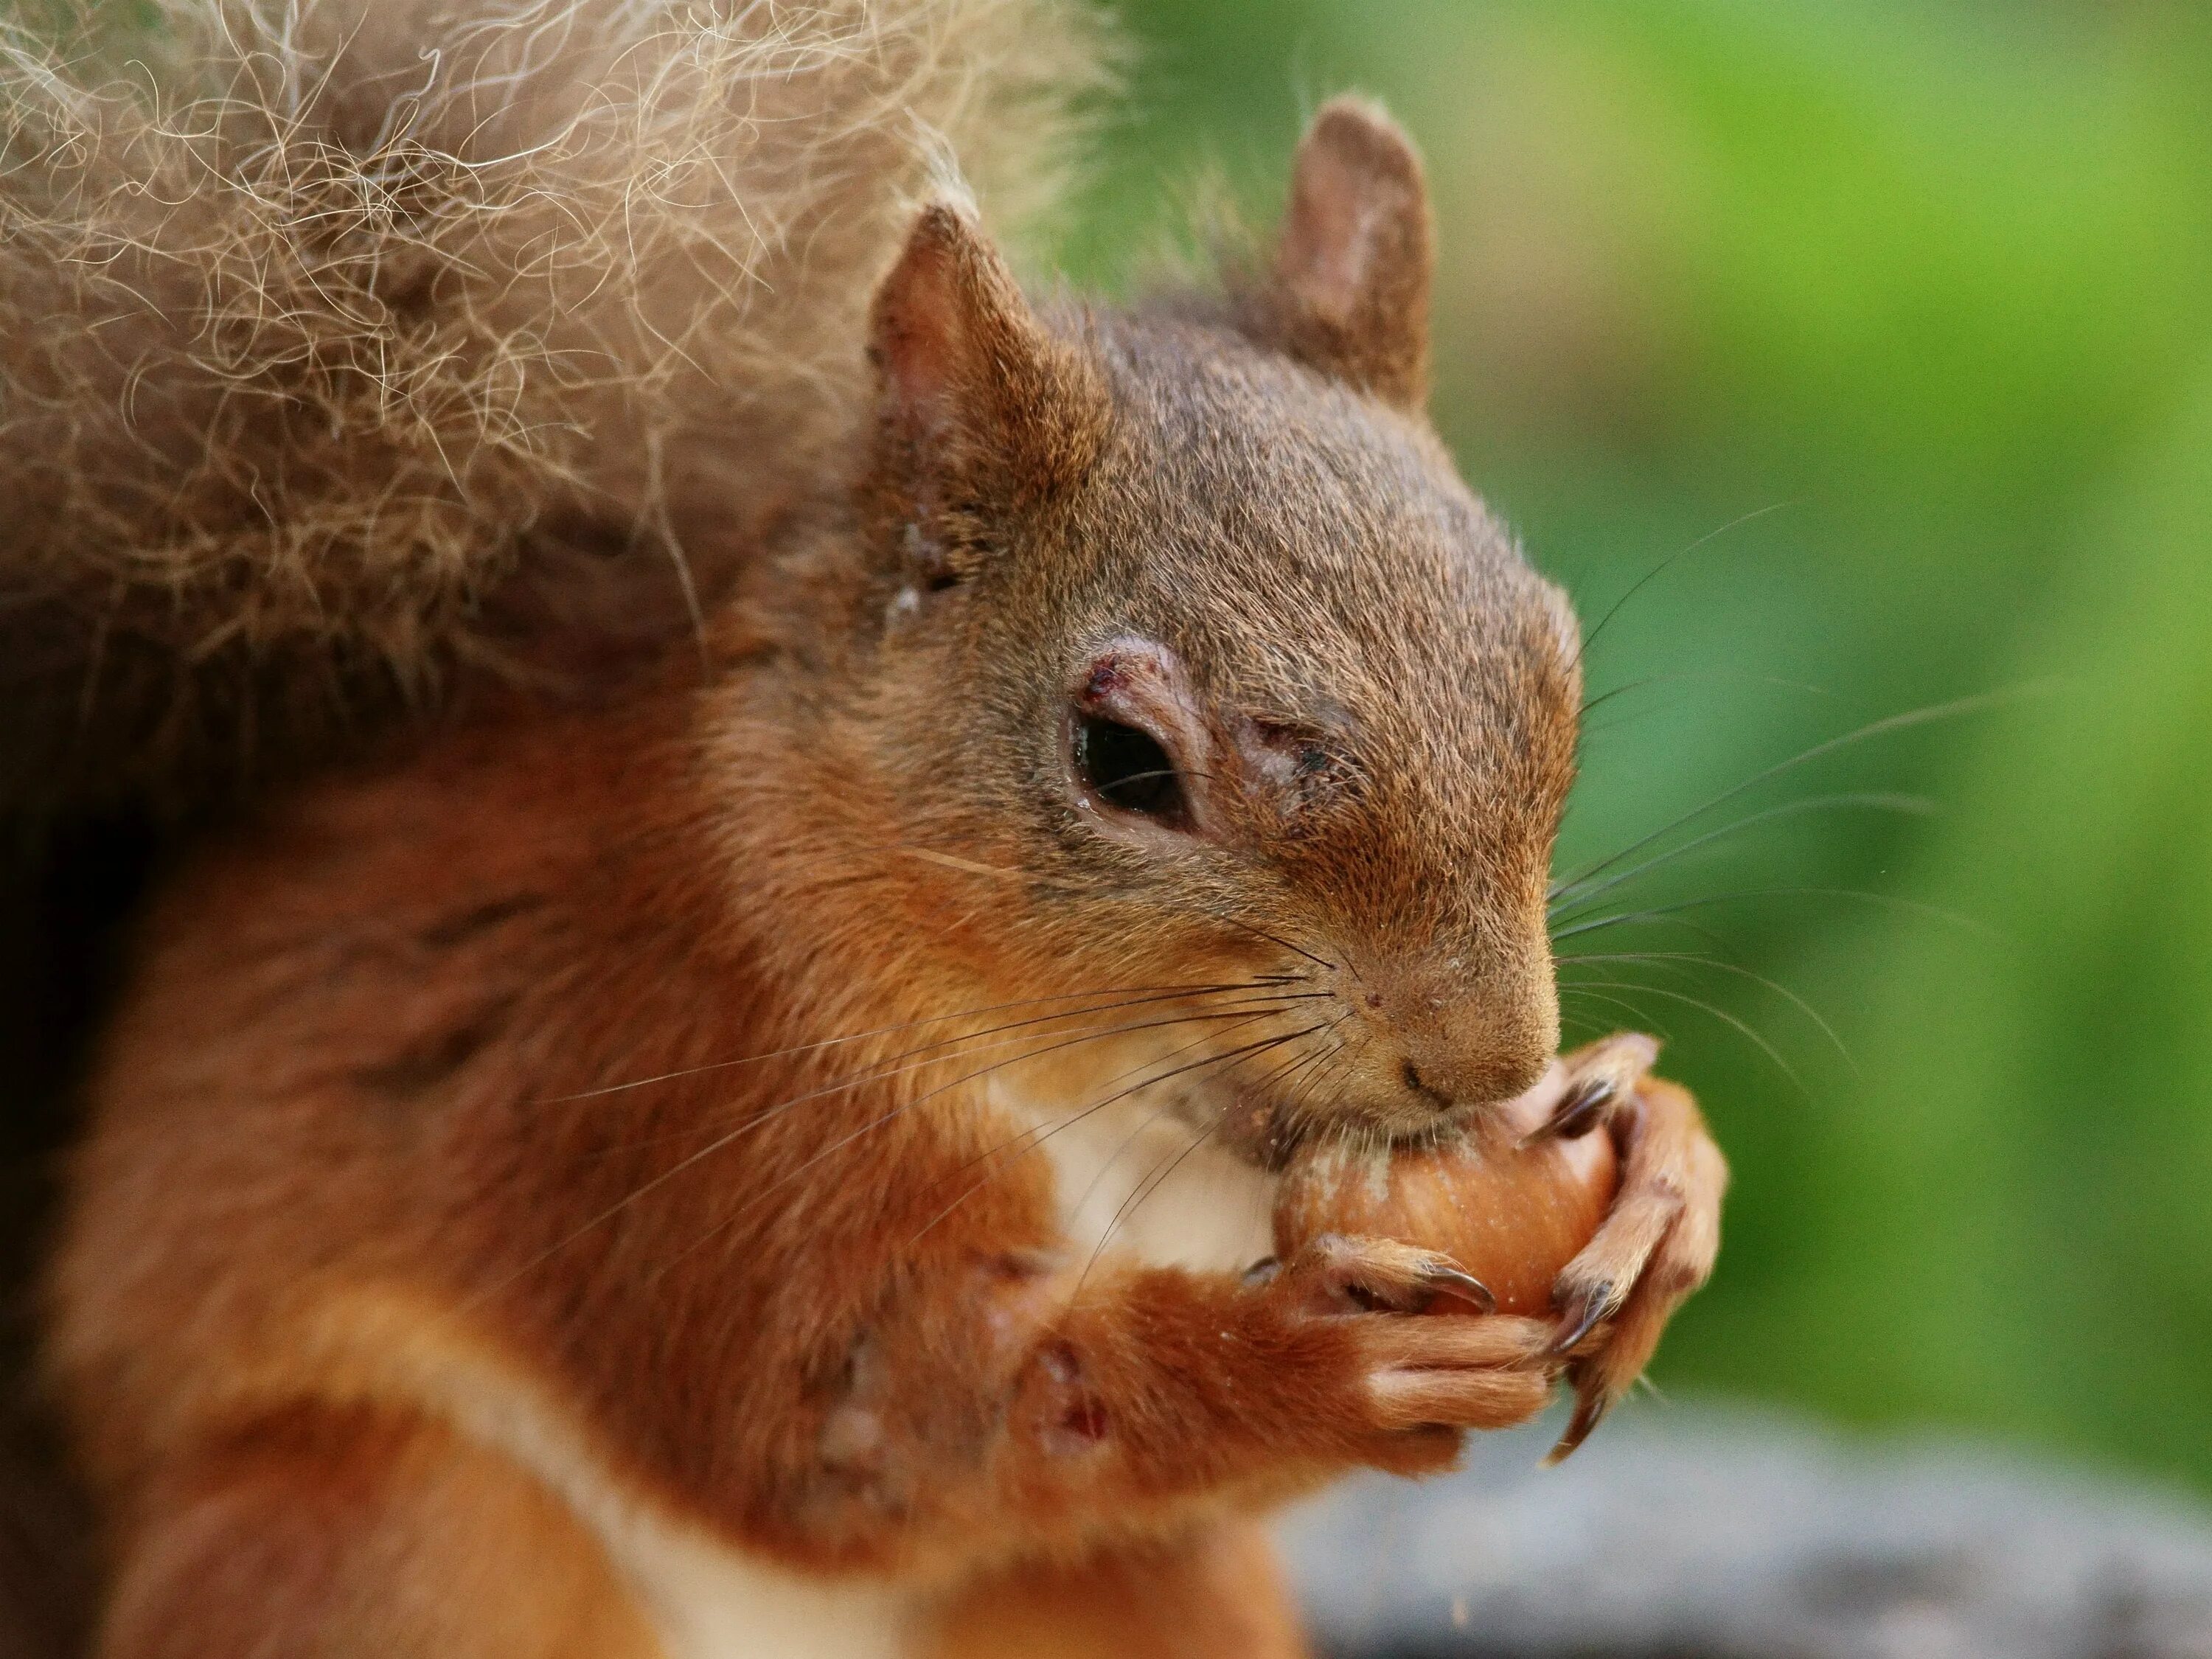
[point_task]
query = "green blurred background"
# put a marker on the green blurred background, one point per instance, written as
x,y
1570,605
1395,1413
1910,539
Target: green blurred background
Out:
x,y
1883,334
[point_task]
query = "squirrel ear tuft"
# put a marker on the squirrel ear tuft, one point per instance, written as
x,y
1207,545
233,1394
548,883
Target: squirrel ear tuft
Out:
x,y
1350,292
971,381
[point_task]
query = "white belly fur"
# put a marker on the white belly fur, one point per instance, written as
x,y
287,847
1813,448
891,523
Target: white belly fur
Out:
x,y
708,1602
1141,1183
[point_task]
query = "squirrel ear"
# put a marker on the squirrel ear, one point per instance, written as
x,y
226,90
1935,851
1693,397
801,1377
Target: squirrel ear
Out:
x,y
970,381
1350,294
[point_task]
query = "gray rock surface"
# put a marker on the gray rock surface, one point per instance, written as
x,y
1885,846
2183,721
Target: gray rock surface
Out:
x,y
1696,1530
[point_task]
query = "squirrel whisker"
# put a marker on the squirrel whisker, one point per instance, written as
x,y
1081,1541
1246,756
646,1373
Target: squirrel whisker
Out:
x,y
1323,1076
1665,911
1235,1057
1234,1012
1152,1184
873,1124
724,1140
1882,727
1719,1013
1315,1056
962,1049
1272,939
1155,994
1146,1188
1638,1017
842,1084
1707,935
1678,958
1579,894
1687,676
1589,636
1043,1133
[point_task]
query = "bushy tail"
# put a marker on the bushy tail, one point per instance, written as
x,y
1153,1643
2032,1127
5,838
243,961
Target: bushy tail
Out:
x,y
343,342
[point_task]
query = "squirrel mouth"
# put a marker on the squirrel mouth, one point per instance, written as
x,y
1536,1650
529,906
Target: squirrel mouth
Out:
x,y
1254,1126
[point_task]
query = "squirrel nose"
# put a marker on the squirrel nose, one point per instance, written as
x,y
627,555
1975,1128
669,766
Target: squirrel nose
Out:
x,y
1474,1042
1463,1072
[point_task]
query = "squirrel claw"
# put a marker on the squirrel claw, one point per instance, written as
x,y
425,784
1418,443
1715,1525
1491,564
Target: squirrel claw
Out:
x,y
1582,1110
1579,1318
1590,1412
1441,1279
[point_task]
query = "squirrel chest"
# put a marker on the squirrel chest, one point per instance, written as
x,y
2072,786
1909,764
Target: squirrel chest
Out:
x,y
1134,1178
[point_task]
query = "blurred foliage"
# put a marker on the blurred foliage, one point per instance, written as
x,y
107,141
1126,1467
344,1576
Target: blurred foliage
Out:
x,y
1862,355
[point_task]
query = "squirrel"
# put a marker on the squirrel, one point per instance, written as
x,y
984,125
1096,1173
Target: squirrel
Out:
x,y
767,1147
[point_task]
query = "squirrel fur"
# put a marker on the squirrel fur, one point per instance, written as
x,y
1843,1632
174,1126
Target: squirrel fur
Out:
x,y
347,350
770,1153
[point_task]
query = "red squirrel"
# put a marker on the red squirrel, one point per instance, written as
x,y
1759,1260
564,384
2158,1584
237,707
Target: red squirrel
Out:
x,y
778,1159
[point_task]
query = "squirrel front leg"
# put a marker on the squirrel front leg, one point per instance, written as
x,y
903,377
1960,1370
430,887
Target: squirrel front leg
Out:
x,y
1131,1397
1161,1382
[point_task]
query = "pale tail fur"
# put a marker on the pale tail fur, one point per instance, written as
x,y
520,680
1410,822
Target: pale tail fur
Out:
x,y
345,343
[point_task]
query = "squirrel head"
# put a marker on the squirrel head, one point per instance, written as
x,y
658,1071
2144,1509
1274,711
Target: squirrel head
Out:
x,y
1184,657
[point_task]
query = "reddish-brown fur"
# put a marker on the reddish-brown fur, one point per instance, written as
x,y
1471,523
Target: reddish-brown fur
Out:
x,y
340,1532
617,1080
1216,1593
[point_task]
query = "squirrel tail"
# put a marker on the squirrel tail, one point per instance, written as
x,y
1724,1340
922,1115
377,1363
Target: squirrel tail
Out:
x,y
348,346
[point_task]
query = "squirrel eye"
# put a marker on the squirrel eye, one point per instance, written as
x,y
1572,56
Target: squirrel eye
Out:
x,y
1128,769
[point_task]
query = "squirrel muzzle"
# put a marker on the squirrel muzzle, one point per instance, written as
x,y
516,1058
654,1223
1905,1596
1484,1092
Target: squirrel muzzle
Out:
x,y
1450,1035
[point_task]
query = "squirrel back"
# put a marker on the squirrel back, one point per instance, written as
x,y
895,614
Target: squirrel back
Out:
x,y
349,351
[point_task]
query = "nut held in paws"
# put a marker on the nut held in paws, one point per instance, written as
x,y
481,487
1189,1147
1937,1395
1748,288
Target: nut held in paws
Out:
x,y
1511,1214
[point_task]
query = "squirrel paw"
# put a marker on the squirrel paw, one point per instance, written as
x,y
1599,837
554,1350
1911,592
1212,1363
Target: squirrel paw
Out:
x,y
1657,1245
1416,1384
